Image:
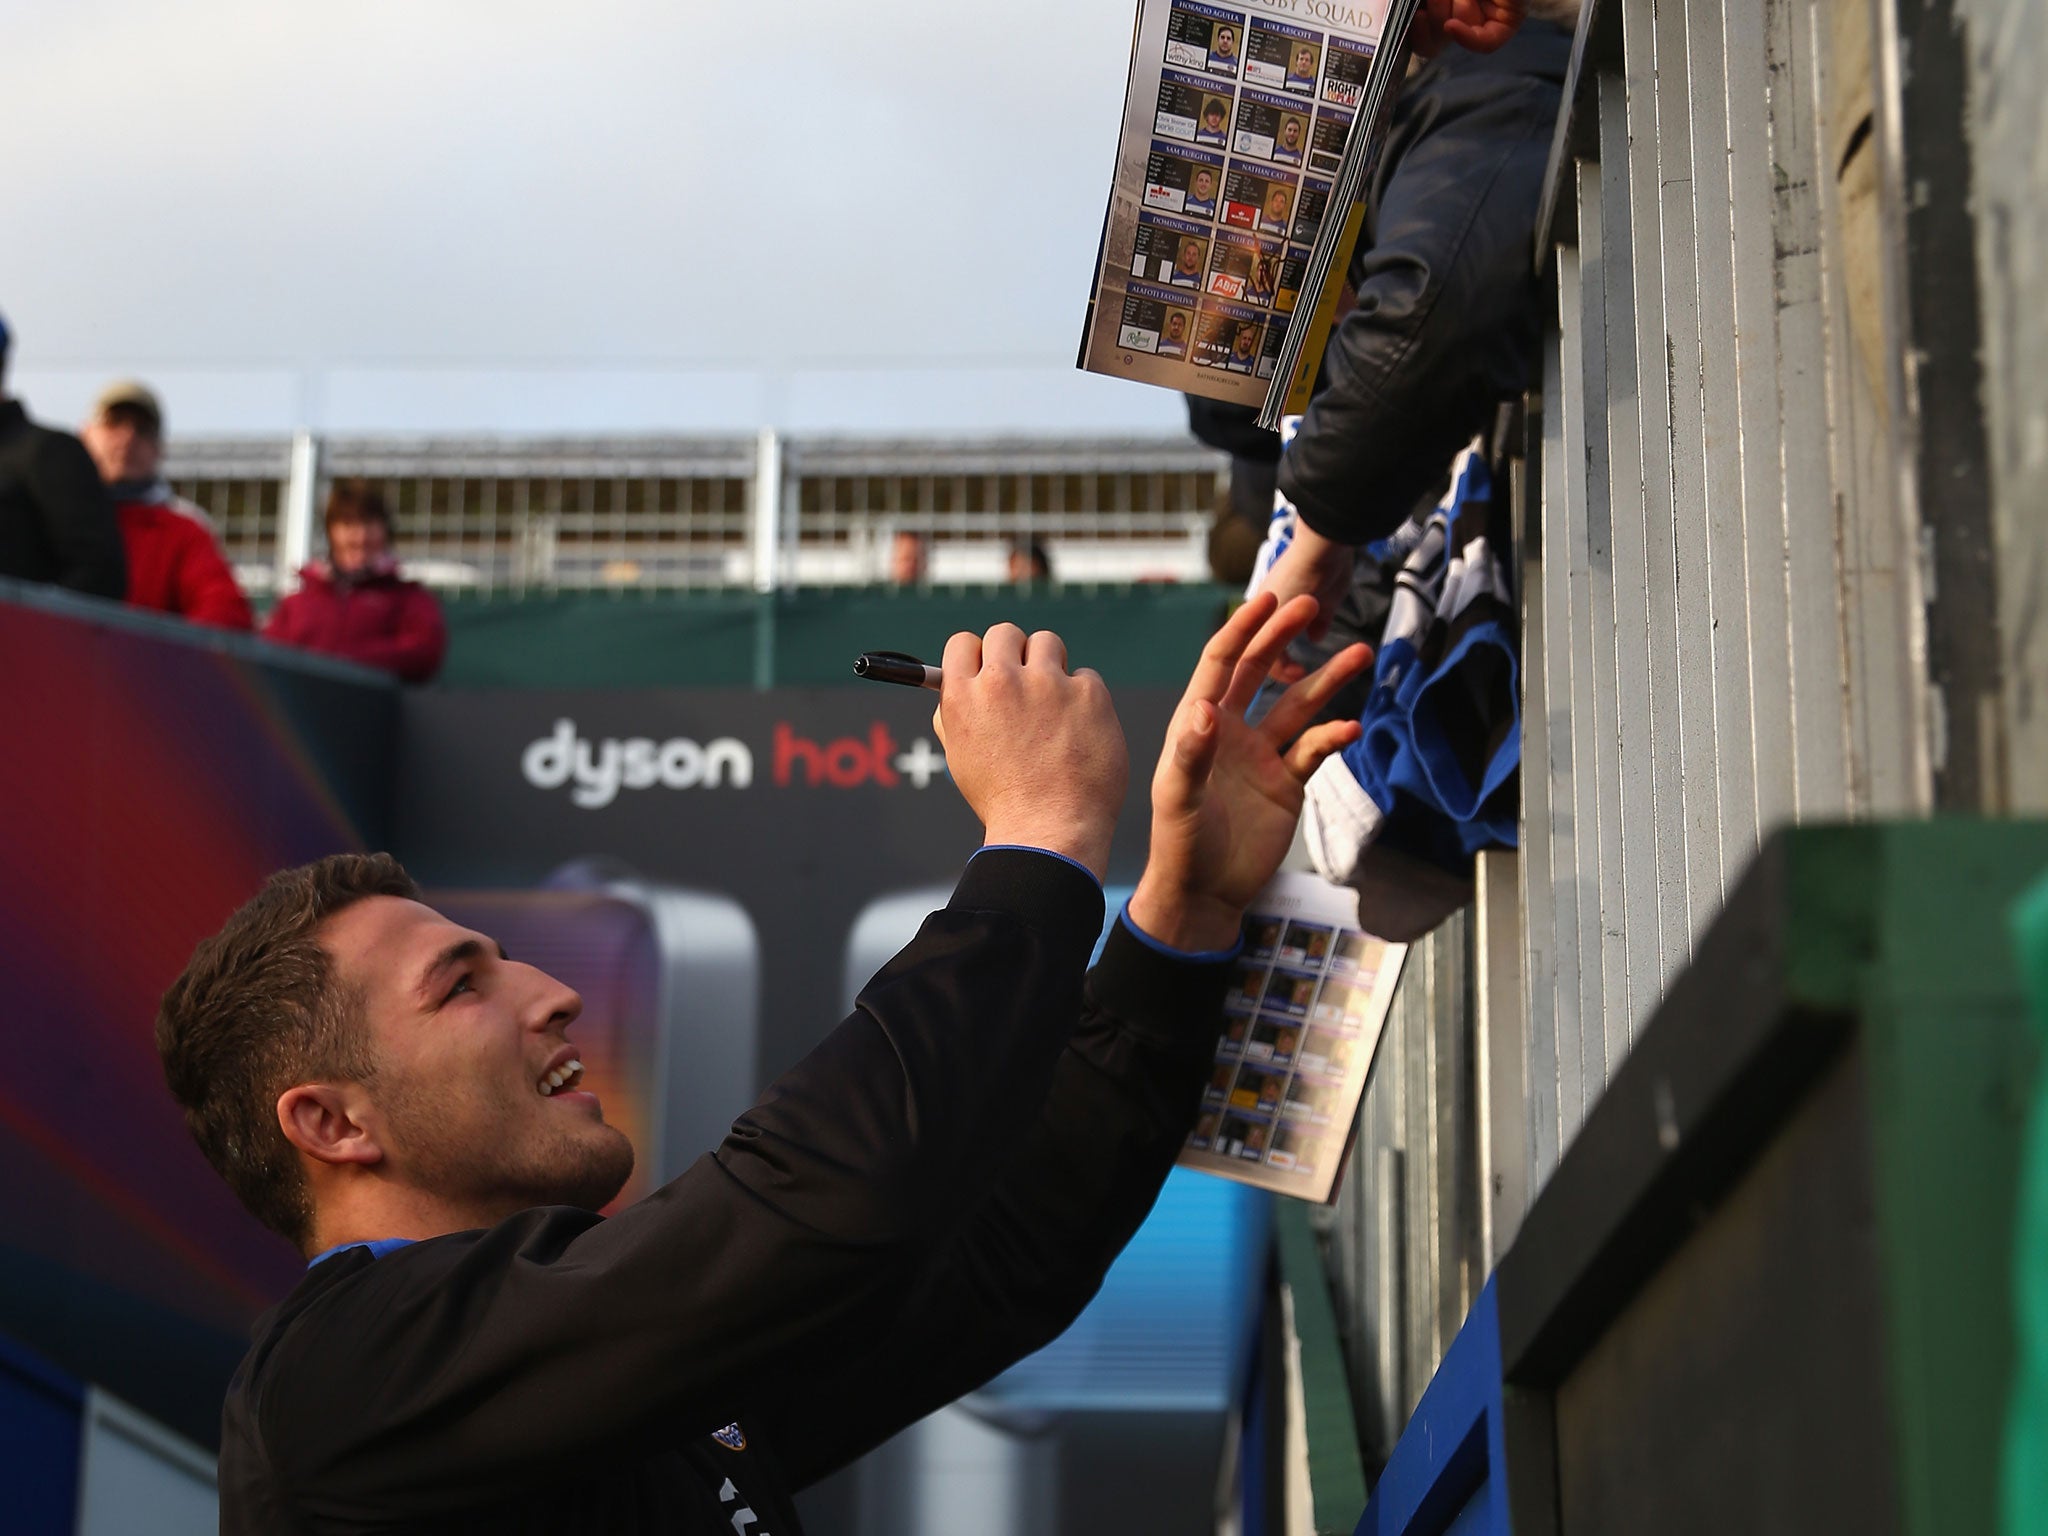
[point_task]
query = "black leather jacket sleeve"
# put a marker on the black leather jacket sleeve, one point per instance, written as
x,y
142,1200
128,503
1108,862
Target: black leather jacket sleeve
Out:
x,y
1448,301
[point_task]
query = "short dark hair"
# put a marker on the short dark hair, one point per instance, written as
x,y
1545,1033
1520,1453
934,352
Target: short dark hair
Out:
x,y
259,1010
1036,556
143,420
354,500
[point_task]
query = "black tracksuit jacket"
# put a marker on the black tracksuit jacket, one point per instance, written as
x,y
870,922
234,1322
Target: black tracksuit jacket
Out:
x,y
57,520
931,1194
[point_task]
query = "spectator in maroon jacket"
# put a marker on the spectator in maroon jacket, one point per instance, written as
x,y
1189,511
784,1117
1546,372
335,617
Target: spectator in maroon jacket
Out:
x,y
174,565
355,604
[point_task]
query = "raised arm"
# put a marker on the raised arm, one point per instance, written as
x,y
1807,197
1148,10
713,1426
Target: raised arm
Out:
x,y
1125,1092
1033,1251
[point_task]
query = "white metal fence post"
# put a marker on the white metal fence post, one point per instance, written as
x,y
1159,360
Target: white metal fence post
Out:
x,y
767,521
295,533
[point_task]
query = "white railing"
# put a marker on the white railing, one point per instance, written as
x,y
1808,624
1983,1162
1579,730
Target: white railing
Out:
x,y
504,516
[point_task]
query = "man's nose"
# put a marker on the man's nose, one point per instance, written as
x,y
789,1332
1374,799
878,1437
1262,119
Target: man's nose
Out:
x,y
554,1004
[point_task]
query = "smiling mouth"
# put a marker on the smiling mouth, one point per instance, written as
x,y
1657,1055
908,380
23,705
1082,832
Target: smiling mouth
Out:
x,y
568,1076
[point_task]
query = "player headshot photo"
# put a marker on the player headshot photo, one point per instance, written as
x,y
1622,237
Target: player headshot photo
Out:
x,y
1279,204
1301,65
1259,286
1201,196
1215,115
1187,261
1223,48
1243,348
1175,338
1287,146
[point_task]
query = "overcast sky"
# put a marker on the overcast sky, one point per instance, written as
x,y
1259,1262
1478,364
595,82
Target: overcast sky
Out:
x,y
445,215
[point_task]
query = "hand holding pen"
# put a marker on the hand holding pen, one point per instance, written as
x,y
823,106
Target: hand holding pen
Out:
x,y
1036,751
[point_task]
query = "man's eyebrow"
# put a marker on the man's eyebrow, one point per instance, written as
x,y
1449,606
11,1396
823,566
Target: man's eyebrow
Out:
x,y
454,954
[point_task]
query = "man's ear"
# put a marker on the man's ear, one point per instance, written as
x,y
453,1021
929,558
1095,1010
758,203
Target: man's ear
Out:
x,y
322,1121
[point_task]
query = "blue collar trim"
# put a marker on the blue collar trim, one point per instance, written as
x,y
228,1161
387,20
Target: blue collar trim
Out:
x,y
378,1248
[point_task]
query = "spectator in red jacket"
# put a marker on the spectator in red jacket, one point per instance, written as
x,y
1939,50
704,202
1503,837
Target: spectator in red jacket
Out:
x,y
355,604
174,566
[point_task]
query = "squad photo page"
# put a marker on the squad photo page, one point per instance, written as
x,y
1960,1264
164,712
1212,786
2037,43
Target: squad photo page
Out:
x,y
1235,127
1302,1021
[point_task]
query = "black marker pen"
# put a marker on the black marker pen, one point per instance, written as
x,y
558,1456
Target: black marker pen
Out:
x,y
895,667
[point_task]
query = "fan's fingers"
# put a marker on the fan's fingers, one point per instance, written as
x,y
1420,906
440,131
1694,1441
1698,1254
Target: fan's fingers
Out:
x,y
1301,703
1266,648
1194,749
1219,657
1307,754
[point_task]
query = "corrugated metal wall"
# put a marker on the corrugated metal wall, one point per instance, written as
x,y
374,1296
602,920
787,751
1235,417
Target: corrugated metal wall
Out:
x,y
2006,128
1403,1237
1783,546
1722,600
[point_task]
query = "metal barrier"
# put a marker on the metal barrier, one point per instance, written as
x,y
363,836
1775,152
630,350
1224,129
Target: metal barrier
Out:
x,y
1756,536
1721,600
505,516
1403,1238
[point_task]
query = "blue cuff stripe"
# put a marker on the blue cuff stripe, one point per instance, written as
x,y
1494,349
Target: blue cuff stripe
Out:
x,y
1193,956
1027,848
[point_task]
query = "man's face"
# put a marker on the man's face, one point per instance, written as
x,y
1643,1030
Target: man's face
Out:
x,y
1176,326
1247,338
1290,132
906,560
1276,204
1190,256
355,543
1226,42
1304,61
464,1042
123,446
1204,184
1212,117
